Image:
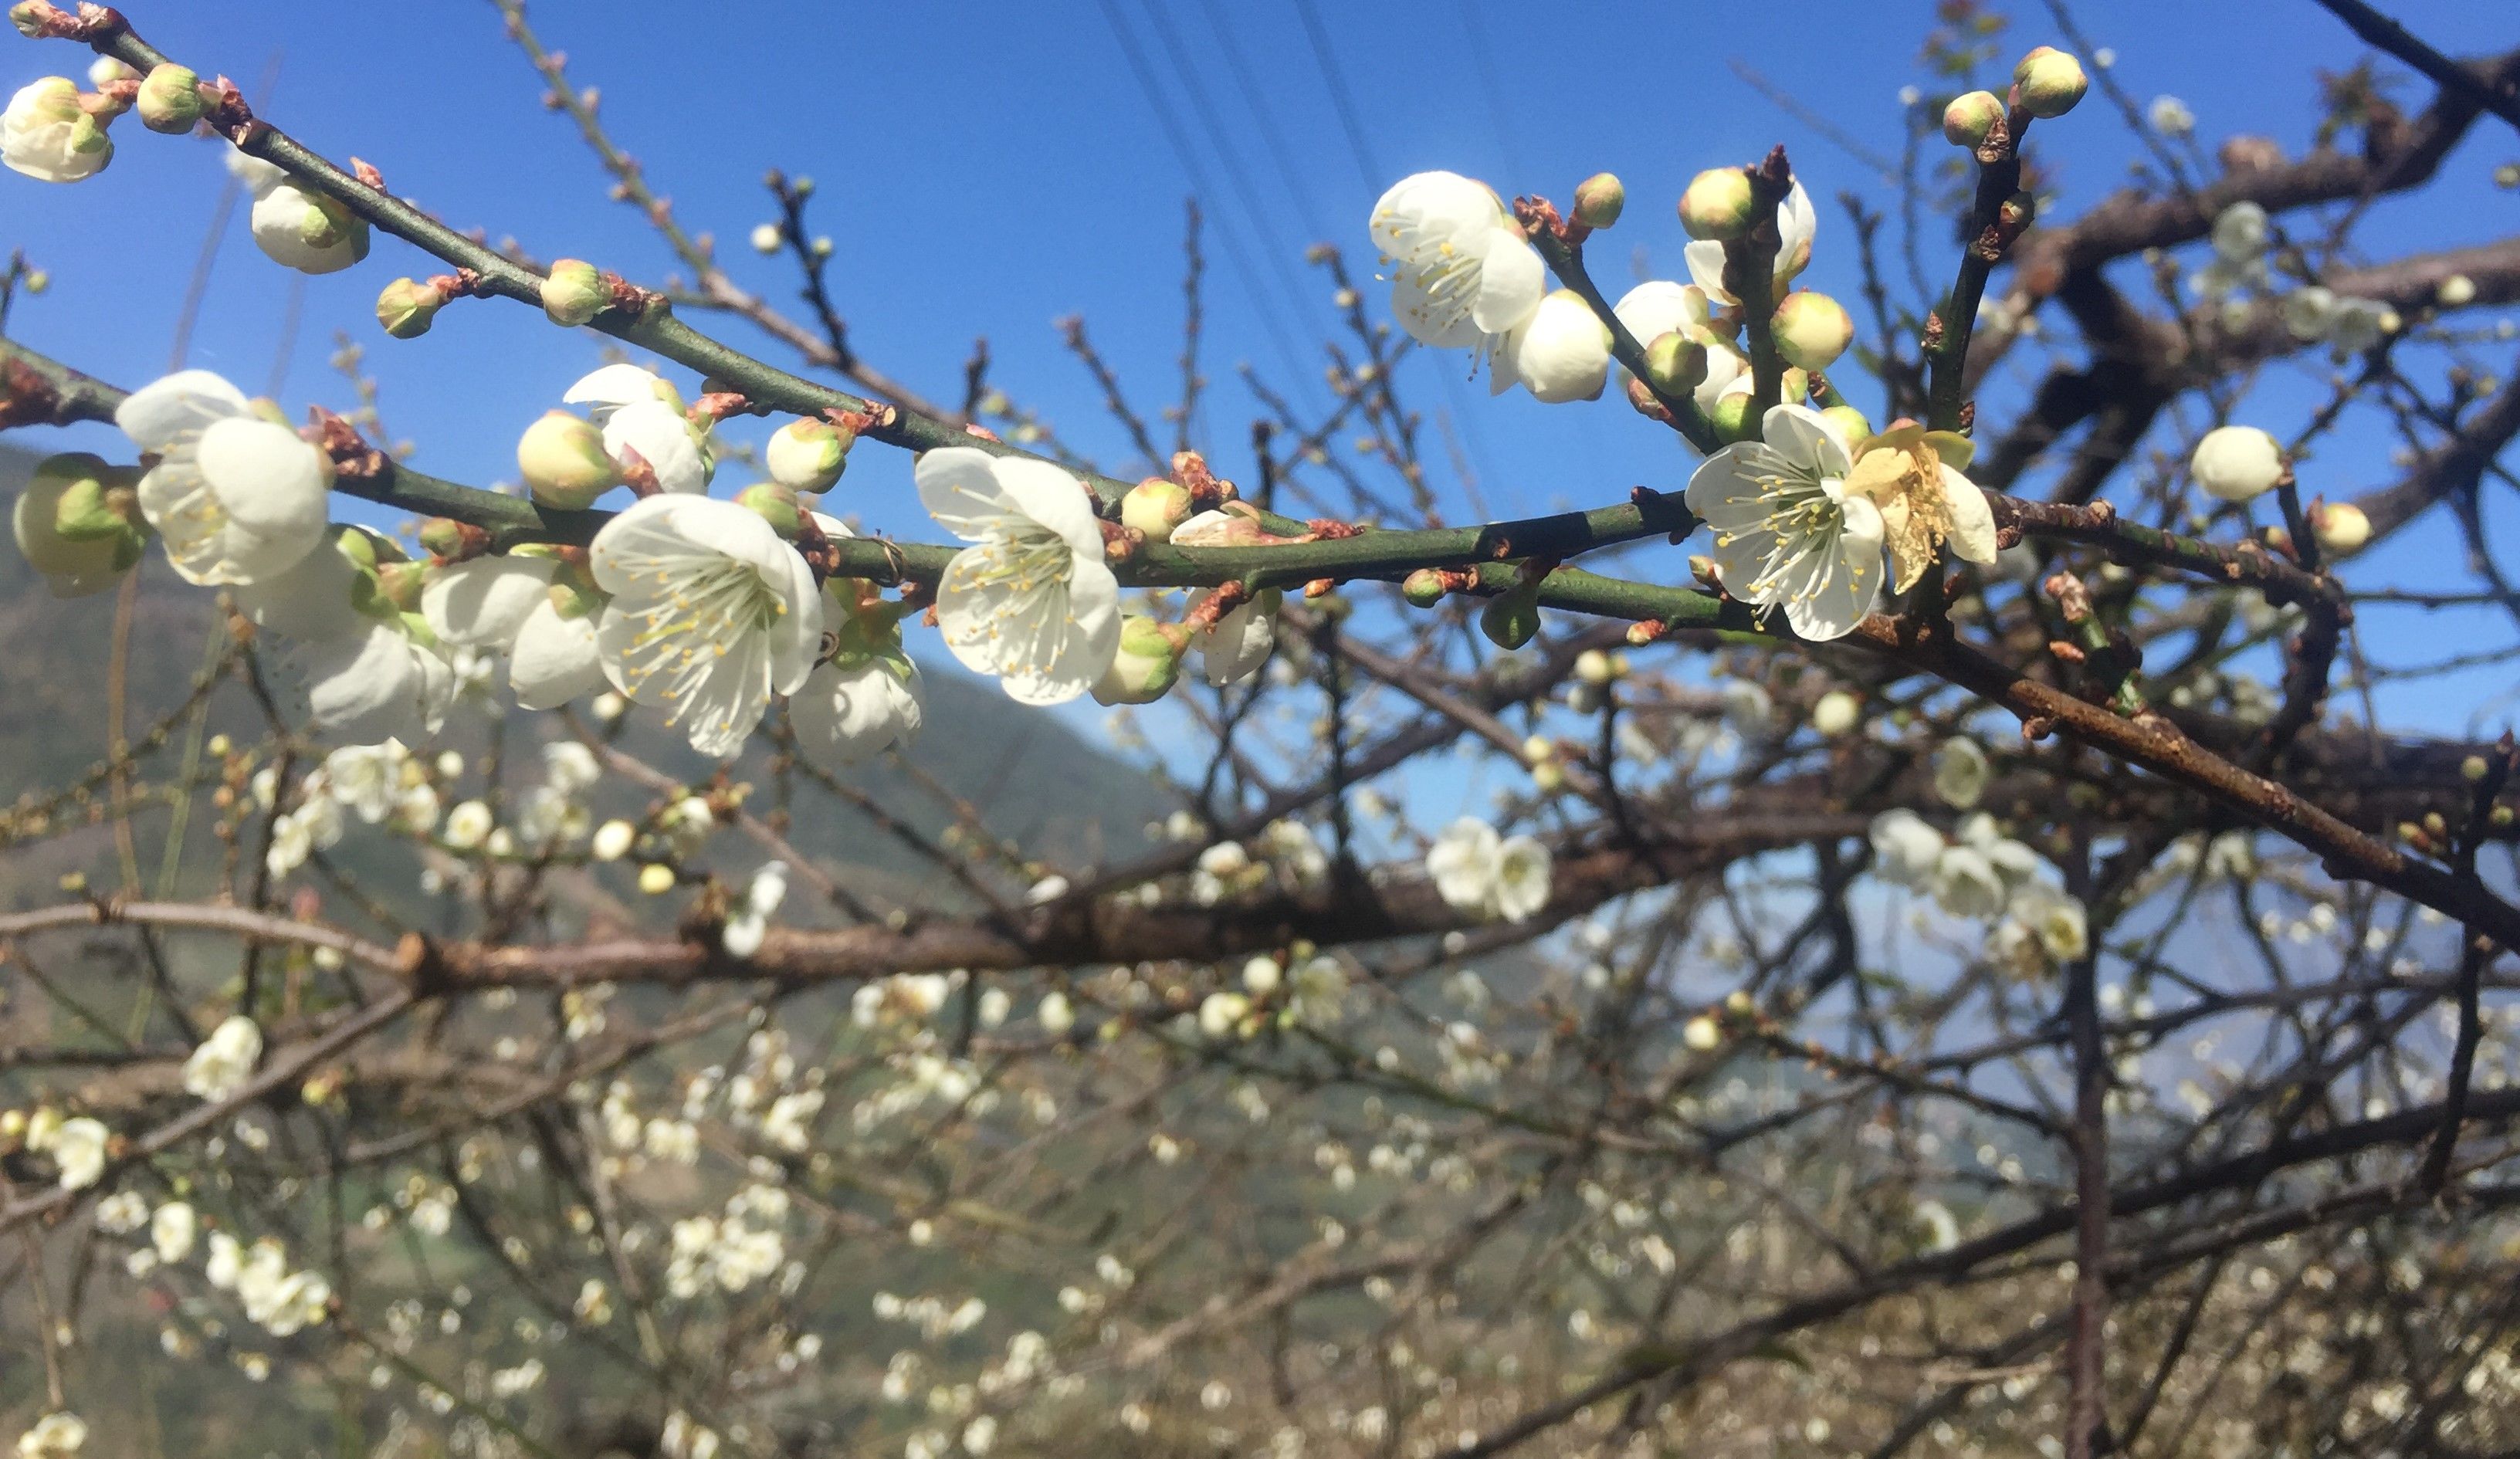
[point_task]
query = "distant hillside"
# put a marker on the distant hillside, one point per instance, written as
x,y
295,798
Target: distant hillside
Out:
x,y
1033,778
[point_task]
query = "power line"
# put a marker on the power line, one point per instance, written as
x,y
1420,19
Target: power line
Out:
x,y
1376,179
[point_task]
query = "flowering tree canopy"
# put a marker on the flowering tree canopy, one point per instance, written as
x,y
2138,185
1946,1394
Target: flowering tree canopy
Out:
x,y
1949,950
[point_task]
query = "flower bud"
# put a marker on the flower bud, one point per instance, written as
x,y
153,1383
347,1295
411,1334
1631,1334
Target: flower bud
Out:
x,y
2236,462
563,462
307,231
399,586
443,536
1146,665
171,99
656,878
1733,420
1512,618
576,293
808,455
2456,292
2049,82
28,17
1719,204
1424,588
49,136
1155,506
2341,528
77,524
1850,422
1812,329
1971,118
1596,668
766,237
407,306
774,504
1836,713
1675,363
1600,199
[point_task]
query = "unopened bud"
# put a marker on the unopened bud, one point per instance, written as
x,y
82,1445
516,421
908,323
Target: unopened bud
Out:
x,y
1147,664
2341,528
1971,118
656,878
1812,329
2473,769
2049,82
1596,668
2236,462
406,307
78,523
576,293
563,462
1719,204
28,17
1850,422
774,503
1675,363
1733,420
809,454
169,99
1600,199
1510,619
1422,589
443,537
1155,506
767,239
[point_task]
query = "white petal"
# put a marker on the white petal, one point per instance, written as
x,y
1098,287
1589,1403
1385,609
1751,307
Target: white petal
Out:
x,y
1054,498
310,601
1512,280
616,385
188,400
1972,536
959,486
482,603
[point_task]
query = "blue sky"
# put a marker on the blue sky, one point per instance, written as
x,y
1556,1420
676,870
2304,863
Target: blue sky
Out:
x,y
985,168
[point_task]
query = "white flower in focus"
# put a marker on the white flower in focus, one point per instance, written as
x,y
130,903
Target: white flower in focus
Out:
x,y
225,1061
1787,529
48,136
1905,848
751,921
644,421
1031,600
1924,500
236,496
2236,463
1961,773
712,613
1560,354
77,1149
304,230
1796,223
485,603
846,714
1462,275
56,1436
370,686
172,1228
1234,647
1475,870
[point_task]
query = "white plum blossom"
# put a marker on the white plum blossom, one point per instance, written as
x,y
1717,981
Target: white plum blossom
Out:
x,y
77,1148
1905,848
712,613
1031,600
1908,474
1463,274
1561,353
55,1436
1659,307
172,1229
1796,222
300,228
1960,772
849,712
236,498
1233,649
484,602
644,423
225,1061
1787,529
745,930
2236,462
47,134
373,685
1477,871
367,779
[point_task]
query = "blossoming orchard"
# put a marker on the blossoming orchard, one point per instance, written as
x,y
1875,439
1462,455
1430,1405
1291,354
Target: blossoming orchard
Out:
x,y
1970,910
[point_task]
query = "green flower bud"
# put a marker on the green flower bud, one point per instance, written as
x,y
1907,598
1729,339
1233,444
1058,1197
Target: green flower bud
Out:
x,y
576,293
442,536
94,508
1510,618
1155,506
1850,422
808,455
399,585
28,17
774,504
1422,589
1147,664
563,462
406,307
1675,363
1600,199
78,523
1733,420
2049,82
1971,117
358,547
1812,329
1719,204
171,99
